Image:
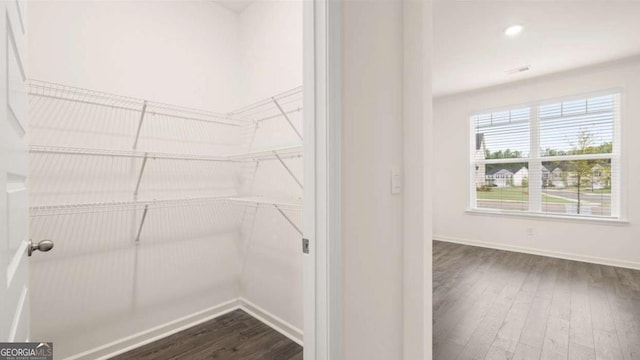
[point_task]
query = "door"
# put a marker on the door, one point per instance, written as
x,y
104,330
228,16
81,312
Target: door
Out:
x,y
14,209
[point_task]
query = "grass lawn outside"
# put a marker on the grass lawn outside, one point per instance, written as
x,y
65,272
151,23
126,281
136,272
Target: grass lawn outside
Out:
x,y
504,193
516,193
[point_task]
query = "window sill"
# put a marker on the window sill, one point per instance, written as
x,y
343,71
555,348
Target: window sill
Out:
x,y
550,217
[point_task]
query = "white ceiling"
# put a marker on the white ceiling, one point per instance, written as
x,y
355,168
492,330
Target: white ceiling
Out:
x,y
471,50
236,6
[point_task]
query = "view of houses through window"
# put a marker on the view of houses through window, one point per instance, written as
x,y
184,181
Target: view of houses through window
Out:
x,y
557,158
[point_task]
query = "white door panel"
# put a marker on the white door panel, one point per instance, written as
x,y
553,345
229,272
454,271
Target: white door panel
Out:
x,y
16,97
14,211
14,13
17,211
21,7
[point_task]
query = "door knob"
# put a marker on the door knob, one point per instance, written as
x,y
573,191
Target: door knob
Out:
x,y
43,245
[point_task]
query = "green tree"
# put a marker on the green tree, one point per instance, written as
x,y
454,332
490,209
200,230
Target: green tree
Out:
x,y
554,152
581,169
503,154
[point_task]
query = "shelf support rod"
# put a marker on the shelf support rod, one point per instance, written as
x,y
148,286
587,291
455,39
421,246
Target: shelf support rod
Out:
x,y
144,111
287,118
144,216
288,220
288,169
144,164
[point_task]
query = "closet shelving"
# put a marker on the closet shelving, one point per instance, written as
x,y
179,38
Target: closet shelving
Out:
x,y
97,207
69,209
63,109
256,112
279,205
56,91
270,154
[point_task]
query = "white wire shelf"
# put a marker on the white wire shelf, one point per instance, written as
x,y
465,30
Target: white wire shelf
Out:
x,y
38,149
71,209
286,152
267,154
98,207
259,201
91,97
281,206
290,99
64,92
281,106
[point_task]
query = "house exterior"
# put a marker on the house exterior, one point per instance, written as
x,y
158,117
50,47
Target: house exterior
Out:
x,y
501,177
553,177
559,178
521,177
600,177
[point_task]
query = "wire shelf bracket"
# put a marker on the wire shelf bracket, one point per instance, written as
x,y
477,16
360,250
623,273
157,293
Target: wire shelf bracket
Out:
x,y
288,219
284,114
144,164
144,110
293,176
144,217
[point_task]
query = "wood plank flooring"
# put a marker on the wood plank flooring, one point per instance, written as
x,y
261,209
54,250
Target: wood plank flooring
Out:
x,y
233,336
492,304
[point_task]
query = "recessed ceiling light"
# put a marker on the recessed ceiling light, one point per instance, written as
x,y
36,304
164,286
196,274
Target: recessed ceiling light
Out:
x,y
513,30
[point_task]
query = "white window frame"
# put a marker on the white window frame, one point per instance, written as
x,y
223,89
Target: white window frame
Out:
x,y
534,160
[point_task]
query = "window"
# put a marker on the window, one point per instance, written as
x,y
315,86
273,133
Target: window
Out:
x,y
558,157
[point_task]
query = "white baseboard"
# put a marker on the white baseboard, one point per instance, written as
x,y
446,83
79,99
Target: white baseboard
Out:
x,y
273,321
555,254
156,333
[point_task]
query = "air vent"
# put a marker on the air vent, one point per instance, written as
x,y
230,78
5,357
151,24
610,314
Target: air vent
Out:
x,y
518,70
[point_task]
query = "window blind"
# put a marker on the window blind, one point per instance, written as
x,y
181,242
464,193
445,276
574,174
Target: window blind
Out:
x,y
558,157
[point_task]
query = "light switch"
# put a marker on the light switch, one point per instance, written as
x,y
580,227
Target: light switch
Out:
x,y
396,181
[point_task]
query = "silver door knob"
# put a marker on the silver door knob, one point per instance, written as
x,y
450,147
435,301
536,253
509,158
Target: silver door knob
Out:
x,y
44,245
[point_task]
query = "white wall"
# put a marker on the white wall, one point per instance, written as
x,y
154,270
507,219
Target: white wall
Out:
x,y
372,143
589,241
271,48
178,52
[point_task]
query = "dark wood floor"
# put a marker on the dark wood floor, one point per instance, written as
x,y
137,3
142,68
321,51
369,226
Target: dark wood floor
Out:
x,y
491,304
233,336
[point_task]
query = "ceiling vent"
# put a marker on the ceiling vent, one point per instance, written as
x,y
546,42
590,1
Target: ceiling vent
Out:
x,y
518,70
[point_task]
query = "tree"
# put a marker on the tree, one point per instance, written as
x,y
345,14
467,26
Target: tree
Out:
x,y
502,154
554,152
581,169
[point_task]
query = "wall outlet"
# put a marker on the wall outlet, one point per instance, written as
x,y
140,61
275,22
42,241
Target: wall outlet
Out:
x,y
530,231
